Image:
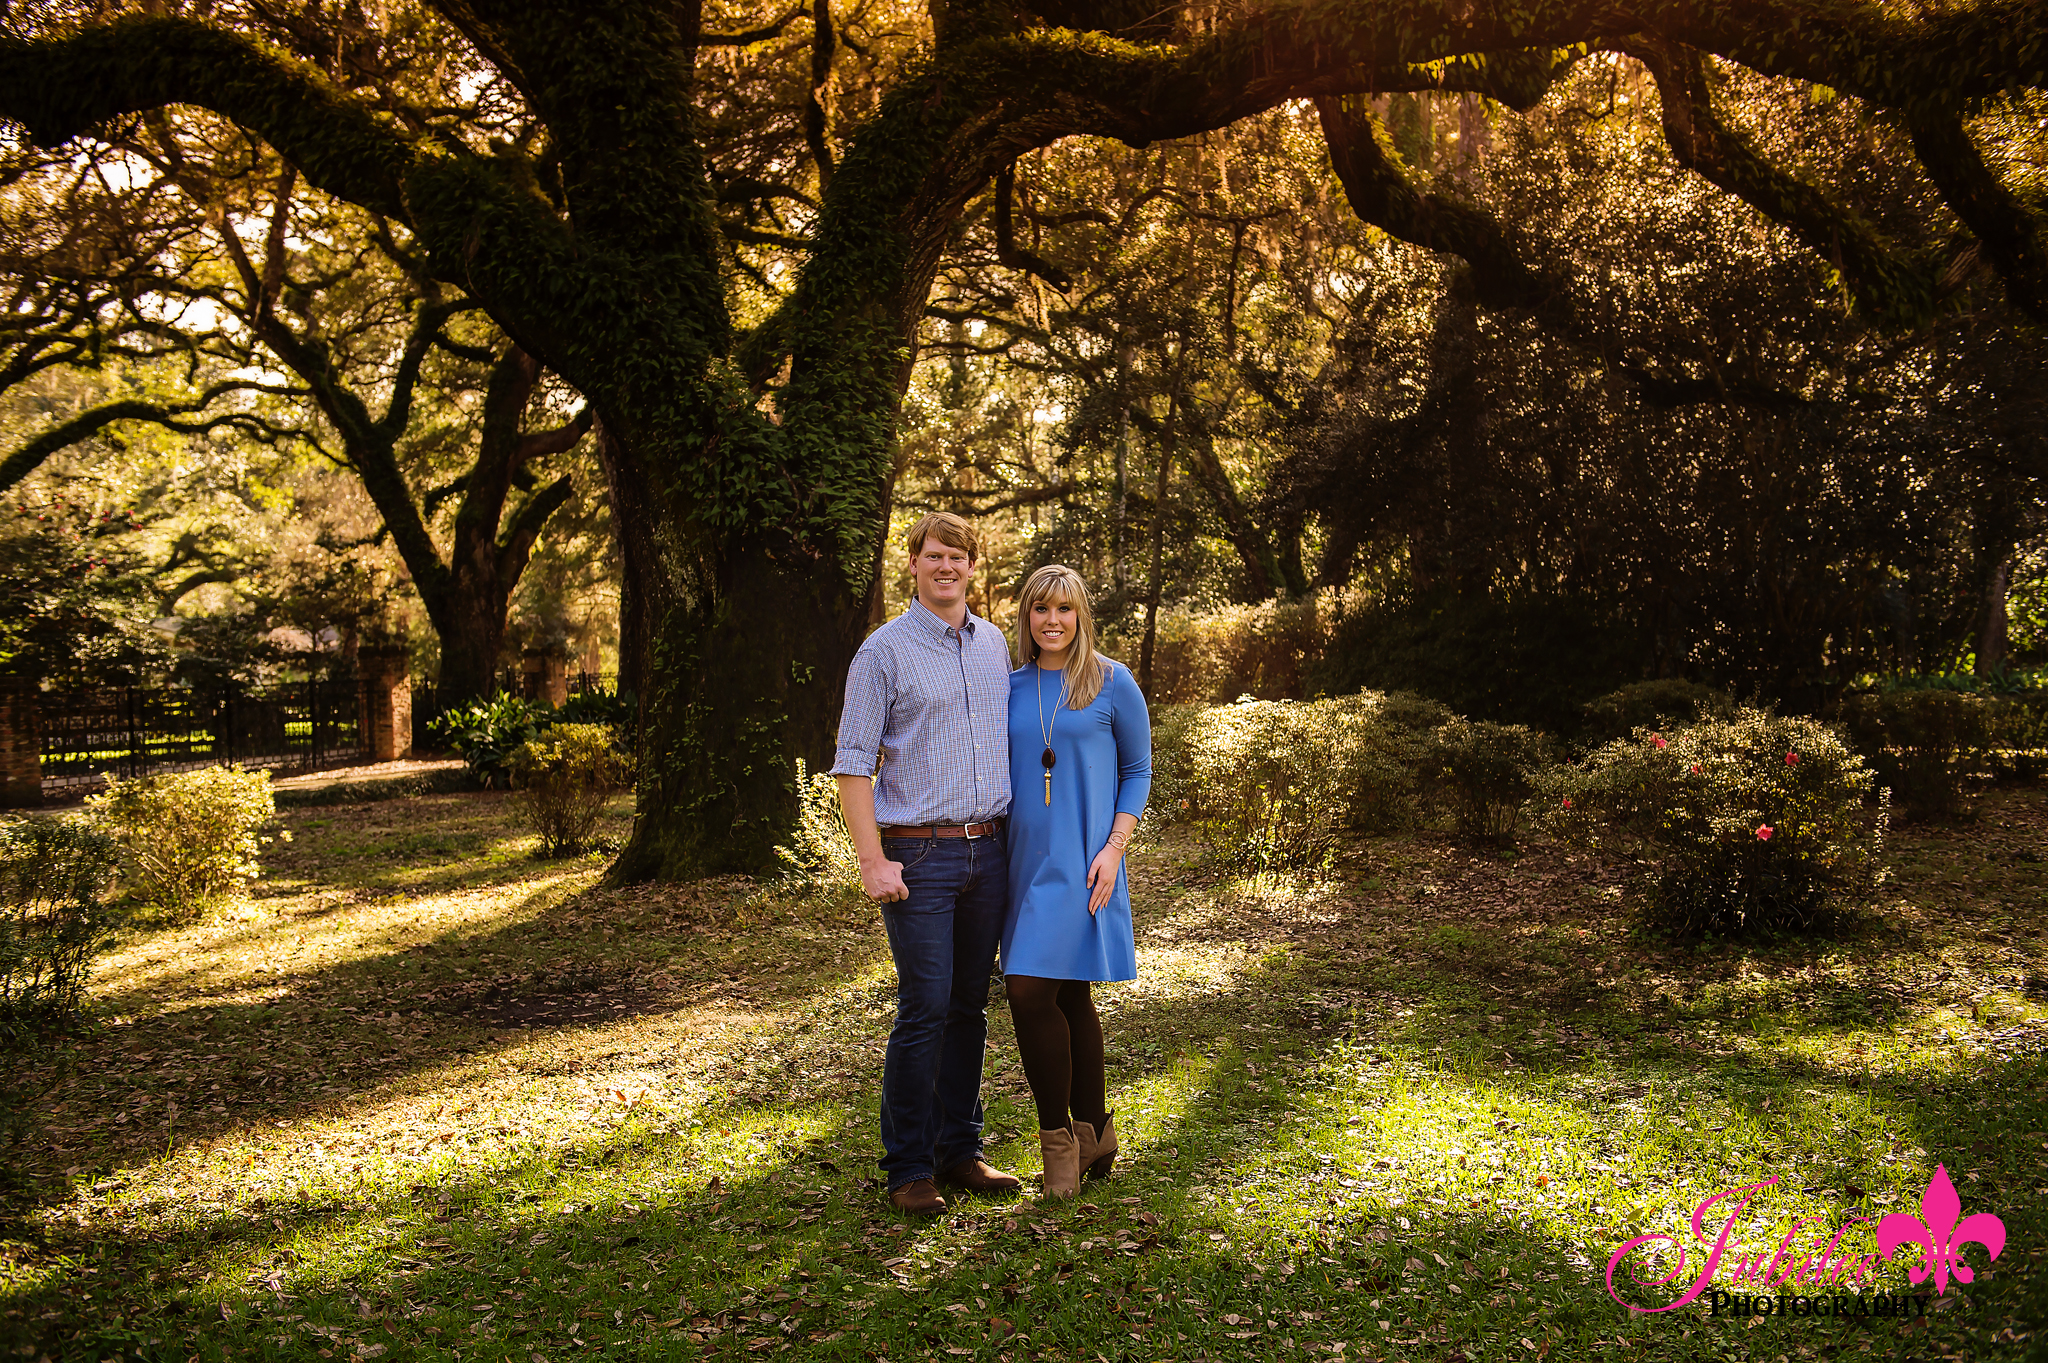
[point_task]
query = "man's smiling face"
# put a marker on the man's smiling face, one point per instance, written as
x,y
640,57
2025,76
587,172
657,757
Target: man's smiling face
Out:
x,y
941,574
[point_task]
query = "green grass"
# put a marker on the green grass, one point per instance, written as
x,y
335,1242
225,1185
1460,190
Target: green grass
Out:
x,y
428,1097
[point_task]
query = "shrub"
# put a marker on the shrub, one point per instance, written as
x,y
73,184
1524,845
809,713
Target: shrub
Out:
x,y
2002,683
564,778
1173,763
188,839
54,918
820,856
1753,823
1666,704
618,709
1486,772
1926,743
485,734
1263,792
1384,756
1270,783
1205,656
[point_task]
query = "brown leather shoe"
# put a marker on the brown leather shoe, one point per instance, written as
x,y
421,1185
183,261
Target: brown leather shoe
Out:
x,y
918,1199
979,1176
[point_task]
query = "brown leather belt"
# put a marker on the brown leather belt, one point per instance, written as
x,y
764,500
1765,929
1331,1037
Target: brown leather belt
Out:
x,y
944,830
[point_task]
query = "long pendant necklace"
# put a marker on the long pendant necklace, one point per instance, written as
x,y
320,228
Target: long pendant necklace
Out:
x,y
1046,758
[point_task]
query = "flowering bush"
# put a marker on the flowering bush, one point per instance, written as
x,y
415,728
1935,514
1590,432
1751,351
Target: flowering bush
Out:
x,y
564,778
1752,823
1486,772
188,839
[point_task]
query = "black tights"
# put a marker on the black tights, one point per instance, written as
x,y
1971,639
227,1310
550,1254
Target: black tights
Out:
x,y
1060,1038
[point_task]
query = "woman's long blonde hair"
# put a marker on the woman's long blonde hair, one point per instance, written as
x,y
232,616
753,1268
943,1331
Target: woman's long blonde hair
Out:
x,y
1086,669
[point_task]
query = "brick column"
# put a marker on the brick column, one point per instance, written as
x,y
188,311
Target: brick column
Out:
x,y
387,703
21,744
544,675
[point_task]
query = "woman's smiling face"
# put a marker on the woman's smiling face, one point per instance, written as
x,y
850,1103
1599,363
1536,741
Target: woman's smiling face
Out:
x,y
1052,623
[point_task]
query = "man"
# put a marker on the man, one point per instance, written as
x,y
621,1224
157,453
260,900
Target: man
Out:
x,y
924,782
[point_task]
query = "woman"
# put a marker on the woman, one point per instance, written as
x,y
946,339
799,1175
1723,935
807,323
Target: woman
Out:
x,y
1080,768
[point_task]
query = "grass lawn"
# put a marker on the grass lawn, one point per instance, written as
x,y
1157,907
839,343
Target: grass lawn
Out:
x,y
424,1096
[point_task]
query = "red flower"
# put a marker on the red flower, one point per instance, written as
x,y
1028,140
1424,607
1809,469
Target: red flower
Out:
x,y
1791,759
1695,769
1567,802
1764,832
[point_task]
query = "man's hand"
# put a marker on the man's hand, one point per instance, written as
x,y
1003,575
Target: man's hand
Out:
x,y
1102,877
883,880
879,876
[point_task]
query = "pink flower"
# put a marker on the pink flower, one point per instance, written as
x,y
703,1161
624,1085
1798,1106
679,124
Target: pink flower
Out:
x,y
1764,832
1791,759
1658,739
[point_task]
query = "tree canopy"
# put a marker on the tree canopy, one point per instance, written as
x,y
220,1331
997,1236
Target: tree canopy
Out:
x,y
722,230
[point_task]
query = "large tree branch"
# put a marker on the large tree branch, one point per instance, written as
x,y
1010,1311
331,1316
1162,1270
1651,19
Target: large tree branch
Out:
x,y
1885,280
426,333
1380,193
2015,237
1007,250
965,501
1289,51
516,545
823,42
59,88
753,35
564,437
31,456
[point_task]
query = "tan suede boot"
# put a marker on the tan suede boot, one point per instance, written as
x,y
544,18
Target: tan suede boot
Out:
x,y
1062,1162
1098,1152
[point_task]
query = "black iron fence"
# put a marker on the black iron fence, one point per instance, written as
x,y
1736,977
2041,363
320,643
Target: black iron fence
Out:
x,y
133,731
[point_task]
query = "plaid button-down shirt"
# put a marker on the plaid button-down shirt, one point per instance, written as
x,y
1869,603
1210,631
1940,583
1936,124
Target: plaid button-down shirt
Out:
x,y
932,703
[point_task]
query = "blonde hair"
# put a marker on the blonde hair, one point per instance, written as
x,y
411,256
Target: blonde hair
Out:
x,y
945,527
1086,669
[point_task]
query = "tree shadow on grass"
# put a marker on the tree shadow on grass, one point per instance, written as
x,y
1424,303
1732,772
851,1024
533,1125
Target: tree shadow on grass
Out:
x,y
567,1227
384,1027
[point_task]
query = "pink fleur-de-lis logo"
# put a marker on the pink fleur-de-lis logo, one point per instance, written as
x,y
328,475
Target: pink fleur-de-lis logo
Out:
x,y
1939,1236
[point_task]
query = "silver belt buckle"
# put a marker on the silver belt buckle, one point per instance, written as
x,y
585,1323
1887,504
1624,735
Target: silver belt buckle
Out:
x,y
967,832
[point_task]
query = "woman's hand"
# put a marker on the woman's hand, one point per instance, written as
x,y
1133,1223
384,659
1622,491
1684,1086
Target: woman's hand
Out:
x,y
1102,876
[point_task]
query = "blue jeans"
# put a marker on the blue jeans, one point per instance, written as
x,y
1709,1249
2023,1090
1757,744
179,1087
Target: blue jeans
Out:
x,y
944,940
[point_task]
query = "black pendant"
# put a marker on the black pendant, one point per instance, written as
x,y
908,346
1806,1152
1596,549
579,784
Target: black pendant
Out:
x,y
1046,759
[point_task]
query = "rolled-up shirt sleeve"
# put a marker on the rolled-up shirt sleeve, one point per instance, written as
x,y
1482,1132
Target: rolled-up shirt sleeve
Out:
x,y
1131,724
865,715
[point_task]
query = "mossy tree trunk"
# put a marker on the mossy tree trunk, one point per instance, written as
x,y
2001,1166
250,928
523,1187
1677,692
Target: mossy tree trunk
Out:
x,y
752,541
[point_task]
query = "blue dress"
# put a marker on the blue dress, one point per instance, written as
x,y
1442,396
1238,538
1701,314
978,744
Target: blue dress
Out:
x,y
1102,767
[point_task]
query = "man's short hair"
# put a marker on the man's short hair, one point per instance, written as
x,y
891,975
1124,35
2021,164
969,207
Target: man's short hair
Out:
x,y
948,529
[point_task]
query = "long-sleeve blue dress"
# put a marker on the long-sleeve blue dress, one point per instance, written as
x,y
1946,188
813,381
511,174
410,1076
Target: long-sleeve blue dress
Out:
x,y
1102,767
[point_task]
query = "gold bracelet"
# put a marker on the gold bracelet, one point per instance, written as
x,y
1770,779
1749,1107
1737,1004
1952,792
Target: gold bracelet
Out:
x,y
1119,839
